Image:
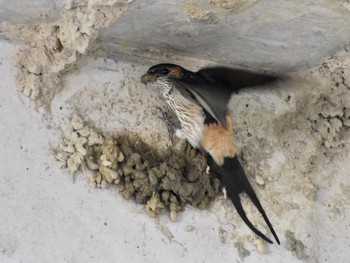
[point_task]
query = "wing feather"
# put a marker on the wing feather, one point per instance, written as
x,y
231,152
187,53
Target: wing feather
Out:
x,y
212,87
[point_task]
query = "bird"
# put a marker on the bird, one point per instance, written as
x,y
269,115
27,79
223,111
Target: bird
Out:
x,y
199,100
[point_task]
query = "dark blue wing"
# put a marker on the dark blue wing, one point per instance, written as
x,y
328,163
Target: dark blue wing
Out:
x,y
213,87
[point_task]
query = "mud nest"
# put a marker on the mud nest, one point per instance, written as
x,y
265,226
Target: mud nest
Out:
x,y
161,180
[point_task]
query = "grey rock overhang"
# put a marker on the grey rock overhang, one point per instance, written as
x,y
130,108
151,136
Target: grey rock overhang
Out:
x,y
275,34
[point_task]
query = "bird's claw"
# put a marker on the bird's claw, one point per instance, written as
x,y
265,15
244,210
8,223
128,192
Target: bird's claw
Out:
x,y
170,126
176,136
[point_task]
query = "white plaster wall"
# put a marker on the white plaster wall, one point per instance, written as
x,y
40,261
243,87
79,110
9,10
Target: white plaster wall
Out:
x,y
46,218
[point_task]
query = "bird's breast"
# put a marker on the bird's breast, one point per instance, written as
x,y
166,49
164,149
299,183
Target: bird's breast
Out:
x,y
214,138
190,115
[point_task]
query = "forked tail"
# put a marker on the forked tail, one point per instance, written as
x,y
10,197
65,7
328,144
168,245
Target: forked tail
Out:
x,y
234,179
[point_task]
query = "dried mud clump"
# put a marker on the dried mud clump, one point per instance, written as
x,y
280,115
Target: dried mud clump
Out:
x,y
294,245
54,48
333,122
72,152
319,128
309,189
161,181
196,13
233,5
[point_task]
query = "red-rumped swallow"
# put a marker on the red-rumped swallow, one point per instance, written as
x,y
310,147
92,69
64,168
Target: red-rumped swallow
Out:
x,y
199,100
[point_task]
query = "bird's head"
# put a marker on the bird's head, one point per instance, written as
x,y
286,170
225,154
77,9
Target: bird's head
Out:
x,y
162,72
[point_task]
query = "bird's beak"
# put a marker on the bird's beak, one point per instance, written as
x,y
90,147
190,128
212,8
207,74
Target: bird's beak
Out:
x,y
146,78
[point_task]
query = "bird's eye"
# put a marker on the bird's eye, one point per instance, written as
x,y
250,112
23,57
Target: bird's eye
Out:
x,y
164,71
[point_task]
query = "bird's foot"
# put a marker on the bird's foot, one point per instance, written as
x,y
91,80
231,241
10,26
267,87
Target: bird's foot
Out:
x,y
170,126
177,136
